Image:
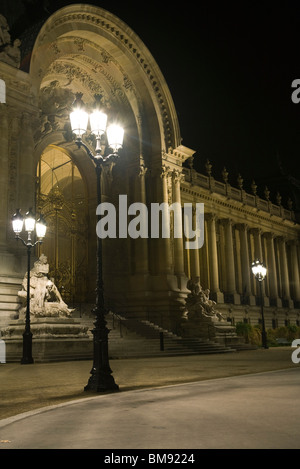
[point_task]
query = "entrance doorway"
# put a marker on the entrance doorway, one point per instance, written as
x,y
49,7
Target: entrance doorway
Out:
x,y
62,198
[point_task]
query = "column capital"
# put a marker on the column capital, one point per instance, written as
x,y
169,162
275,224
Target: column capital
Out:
x,y
282,239
226,221
210,217
269,235
177,176
164,172
256,231
242,226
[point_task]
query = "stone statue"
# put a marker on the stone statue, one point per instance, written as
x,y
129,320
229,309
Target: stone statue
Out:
x,y
198,303
45,299
4,31
9,53
55,103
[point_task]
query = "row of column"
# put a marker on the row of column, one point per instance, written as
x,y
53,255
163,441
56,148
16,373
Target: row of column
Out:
x,y
282,284
227,261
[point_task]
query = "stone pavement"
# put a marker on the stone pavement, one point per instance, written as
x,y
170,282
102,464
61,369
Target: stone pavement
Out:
x,y
28,387
254,411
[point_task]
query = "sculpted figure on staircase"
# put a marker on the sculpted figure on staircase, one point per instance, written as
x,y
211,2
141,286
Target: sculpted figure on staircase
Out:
x,y
45,299
198,303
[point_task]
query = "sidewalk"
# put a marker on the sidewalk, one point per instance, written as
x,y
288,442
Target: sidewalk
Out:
x,y
27,387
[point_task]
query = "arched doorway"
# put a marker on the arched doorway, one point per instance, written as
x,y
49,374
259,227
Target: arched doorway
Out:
x,y
62,198
82,48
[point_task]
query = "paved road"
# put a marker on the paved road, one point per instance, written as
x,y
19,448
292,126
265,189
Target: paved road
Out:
x,y
251,411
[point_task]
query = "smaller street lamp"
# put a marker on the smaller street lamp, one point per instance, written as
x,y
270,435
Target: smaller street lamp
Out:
x,y
260,272
40,229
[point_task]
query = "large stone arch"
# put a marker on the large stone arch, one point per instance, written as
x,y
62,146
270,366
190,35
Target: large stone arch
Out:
x,y
85,48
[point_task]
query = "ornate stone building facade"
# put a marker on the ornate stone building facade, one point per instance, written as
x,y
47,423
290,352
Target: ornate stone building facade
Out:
x,y
239,228
85,49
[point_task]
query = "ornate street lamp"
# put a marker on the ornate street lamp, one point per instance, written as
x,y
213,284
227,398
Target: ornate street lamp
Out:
x,y
260,272
101,378
40,229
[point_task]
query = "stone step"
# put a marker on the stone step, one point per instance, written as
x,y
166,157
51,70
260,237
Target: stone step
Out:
x,y
8,299
9,306
17,281
9,289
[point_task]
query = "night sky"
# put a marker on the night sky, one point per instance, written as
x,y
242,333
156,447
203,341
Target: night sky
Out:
x,y
229,69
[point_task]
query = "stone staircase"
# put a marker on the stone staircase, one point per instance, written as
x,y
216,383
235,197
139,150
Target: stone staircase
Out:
x,y
9,300
140,338
128,338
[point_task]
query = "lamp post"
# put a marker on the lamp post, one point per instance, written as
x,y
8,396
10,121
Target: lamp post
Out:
x,y
260,272
101,378
40,228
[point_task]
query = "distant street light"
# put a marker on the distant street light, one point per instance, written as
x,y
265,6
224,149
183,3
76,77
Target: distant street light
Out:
x,y
260,272
40,229
101,378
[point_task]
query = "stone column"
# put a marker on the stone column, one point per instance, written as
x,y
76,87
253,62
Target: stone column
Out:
x,y
194,255
295,272
178,242
257,232
272,271
165,259
234,297
286,295
216,294
258,254
246,264
4,176
141,254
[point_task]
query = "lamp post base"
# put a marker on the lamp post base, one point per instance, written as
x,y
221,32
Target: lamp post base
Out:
x,y
101,379
27,349
101,382
264,340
